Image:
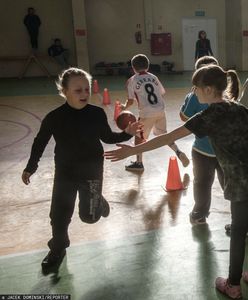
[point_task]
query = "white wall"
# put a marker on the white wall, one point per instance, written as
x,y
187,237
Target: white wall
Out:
x,y
234,37
112,24
80,33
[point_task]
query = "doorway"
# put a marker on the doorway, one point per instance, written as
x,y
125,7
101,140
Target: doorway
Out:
x,y
190,28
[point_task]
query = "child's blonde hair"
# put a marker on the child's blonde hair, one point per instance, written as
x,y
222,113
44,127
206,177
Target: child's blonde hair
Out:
x,y
64,77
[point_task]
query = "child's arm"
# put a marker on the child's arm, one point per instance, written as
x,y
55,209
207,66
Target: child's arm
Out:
x,y
127,104
38,148
130,95
159,141
183,117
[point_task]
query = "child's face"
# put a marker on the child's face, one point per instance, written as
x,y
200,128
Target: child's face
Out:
x,y
77,92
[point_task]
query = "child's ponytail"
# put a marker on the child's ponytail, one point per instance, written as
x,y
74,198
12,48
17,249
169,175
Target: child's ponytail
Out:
x,y
233,87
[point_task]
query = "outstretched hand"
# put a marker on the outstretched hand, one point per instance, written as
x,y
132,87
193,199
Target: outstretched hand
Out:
x,y
134,128
118,154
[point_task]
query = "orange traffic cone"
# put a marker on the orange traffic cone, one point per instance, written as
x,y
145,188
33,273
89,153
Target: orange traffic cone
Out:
x,y
117,109
95,87
173,182
106,98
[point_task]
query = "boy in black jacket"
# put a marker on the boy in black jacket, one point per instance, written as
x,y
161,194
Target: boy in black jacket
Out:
x,y
78,129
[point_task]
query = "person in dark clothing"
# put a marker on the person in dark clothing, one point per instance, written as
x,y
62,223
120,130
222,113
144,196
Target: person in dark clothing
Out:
x,y
203,46
78,129
59,53
32,22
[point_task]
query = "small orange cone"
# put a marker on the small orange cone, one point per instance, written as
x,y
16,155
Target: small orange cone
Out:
x,y
95,87
173,182
117,109
106,98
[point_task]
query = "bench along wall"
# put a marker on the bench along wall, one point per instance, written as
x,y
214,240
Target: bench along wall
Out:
x,y
56,19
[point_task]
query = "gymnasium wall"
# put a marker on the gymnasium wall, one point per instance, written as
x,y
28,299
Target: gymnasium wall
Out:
x,y
244,25
233,35
56,18
110,30
111,26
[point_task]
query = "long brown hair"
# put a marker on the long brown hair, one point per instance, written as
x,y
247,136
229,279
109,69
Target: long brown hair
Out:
x,y
225,83
232,91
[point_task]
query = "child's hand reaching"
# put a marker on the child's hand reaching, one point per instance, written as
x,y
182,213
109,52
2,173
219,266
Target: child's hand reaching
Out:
x,y
134,128
118,154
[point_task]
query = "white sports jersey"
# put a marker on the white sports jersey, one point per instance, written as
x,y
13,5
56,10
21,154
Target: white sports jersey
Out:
x,y
148,91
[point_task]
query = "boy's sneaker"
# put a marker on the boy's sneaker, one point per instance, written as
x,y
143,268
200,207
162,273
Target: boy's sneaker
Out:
x,y
135,166
183,158
197,221
245,276
232,291
52,261
105,208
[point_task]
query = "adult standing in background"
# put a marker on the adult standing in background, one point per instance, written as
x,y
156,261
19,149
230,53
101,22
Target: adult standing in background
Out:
x,y
202,47
32,22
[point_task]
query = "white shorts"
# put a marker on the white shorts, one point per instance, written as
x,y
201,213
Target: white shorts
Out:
x,y
156,124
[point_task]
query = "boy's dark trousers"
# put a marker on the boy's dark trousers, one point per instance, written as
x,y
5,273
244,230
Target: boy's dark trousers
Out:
x,y
204,168
65,190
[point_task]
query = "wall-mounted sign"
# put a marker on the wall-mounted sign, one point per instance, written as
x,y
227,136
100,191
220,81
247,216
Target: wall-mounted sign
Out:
x,y
161,44
80,32
245,32
200,13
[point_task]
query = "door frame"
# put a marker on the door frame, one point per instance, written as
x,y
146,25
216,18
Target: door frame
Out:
x,y
190,29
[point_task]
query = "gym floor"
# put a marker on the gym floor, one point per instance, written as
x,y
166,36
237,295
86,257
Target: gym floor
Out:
x,y
145,250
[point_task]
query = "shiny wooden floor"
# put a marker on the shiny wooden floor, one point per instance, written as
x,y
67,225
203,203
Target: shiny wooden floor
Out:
x,y
146,248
